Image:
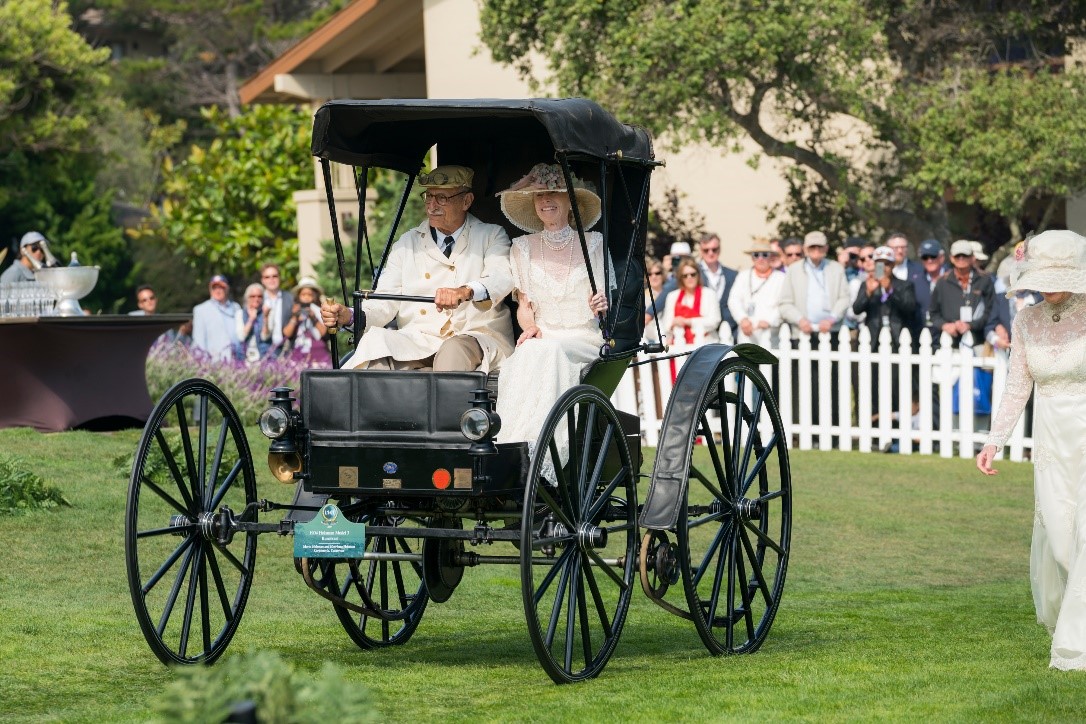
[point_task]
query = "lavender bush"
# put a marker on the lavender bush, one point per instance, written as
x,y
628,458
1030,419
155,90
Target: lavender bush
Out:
x,y
246,385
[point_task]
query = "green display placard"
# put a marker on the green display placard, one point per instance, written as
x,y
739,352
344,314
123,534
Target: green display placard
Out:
x,y
329,535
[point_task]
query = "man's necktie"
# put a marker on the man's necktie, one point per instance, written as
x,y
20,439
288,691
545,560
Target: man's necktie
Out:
x,y
449,241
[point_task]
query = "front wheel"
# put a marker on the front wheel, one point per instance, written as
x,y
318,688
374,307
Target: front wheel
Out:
x,y
578,536
189,577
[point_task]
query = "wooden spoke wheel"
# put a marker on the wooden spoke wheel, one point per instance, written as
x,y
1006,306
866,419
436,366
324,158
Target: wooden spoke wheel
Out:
x,y
735,536
192,478
578,536
393,587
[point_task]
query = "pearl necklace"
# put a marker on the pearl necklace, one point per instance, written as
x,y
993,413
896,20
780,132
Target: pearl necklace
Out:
x,y
557,240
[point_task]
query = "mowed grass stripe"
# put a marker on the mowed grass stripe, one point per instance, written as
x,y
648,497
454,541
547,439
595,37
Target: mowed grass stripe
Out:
x,y
907,597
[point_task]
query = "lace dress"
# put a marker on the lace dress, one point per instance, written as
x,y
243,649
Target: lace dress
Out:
x,y
555,282
1052,354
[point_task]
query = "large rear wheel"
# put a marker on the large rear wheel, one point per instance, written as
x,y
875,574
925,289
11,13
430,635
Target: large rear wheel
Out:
x,y
734,539
393,587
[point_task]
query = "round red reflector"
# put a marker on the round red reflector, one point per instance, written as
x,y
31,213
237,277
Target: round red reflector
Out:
x,y
441,478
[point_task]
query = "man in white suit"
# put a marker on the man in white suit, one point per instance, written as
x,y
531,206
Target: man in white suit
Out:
x,y
460,261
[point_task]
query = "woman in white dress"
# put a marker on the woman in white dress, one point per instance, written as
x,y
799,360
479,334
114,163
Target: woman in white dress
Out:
x,y
1049,349
556,307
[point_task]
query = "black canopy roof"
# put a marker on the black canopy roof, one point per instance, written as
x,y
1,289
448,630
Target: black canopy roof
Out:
x,y
397,133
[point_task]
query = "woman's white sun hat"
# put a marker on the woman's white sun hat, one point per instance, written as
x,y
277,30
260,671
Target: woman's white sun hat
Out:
x,y
1052,261
518,201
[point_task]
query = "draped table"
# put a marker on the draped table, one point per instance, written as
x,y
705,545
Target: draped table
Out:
x,y
58,373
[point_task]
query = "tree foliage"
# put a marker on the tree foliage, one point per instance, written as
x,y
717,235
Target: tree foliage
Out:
x,y
52,84
669,222
229,206
826,84
55,104
213,46
1005,141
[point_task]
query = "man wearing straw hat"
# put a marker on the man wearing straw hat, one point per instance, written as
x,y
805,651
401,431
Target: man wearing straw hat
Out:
x,y
457,259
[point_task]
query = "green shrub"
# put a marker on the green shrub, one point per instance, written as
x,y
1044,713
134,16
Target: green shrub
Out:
x,y
279,693
22,491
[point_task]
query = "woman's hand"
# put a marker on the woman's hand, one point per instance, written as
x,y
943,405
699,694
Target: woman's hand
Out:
x,y
531,332
984,460
597,303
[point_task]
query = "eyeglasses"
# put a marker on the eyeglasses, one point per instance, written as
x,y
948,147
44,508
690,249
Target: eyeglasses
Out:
x,y
793,254
710,250
928,257
34,247
656,273
258,295
963,256
866,257
762,255
687,275
899,248
439,199
271,275
151,298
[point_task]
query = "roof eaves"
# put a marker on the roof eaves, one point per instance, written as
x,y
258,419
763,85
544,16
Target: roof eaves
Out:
x,y
262,84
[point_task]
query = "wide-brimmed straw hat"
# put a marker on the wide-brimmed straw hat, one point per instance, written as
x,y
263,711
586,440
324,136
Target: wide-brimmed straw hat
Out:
x,y
307,283
759,246
1052,261
518,201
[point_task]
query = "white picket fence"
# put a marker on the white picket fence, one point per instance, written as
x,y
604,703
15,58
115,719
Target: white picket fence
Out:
x,y
845,380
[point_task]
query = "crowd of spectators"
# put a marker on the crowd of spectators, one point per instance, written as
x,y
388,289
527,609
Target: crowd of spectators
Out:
x,y
863,284
269,323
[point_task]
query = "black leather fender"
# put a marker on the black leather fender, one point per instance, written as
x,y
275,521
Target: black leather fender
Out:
x,y
667,491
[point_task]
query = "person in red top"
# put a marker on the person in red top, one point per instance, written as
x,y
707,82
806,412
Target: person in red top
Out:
x,y
691,312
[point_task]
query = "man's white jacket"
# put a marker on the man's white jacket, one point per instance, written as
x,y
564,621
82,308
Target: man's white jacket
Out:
x,y
416,267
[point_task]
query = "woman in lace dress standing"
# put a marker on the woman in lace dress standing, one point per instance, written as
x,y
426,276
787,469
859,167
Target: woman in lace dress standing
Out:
x,y
1049,349
556,307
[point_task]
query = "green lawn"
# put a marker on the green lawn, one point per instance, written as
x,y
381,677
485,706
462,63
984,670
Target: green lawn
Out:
x,y
907,598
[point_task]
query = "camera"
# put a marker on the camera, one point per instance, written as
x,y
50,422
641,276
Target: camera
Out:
x,y
880,269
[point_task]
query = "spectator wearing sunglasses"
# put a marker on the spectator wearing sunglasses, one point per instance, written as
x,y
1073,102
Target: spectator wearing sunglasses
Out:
x,y
865,264
31,258
962,299
933,260
815,293
716,276
146,301
656,275
278,305
791,252
755,299
691,313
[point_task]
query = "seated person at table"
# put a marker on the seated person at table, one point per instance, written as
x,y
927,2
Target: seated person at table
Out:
x,y
457,259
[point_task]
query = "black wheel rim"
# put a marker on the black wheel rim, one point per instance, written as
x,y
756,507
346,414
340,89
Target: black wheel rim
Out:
x,y
578,539
188,587
735,538
395,587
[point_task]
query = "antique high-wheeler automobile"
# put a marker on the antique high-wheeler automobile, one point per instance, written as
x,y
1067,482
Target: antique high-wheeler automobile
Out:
x,y
417,458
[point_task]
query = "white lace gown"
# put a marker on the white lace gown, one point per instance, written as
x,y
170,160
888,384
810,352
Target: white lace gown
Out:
x,y
555,282
1052,354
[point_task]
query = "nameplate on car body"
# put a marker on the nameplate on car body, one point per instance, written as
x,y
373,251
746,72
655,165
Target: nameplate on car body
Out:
x,y
329,535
